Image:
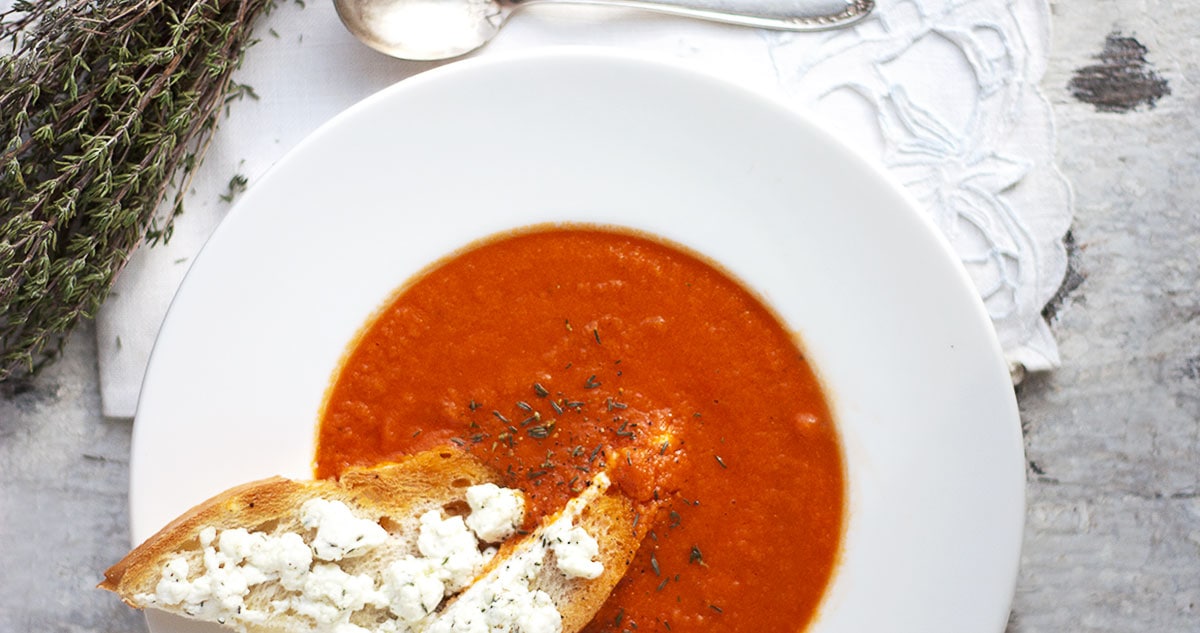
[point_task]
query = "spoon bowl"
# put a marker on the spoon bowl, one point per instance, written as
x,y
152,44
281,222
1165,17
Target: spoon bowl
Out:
x,y
427,30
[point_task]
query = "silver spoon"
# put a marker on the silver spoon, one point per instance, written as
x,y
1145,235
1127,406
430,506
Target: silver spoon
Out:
x,y
441,29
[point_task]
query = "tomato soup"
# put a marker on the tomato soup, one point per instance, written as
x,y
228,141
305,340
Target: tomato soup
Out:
x,y
555,352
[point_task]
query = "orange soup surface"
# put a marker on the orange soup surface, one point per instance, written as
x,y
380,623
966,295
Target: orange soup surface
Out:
x,y
552,353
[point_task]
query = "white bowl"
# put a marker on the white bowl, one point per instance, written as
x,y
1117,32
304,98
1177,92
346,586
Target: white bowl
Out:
x,y
891,323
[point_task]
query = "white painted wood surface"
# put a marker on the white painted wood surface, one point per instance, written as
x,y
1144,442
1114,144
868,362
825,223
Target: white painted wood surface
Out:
x,y
1113,437
1113,528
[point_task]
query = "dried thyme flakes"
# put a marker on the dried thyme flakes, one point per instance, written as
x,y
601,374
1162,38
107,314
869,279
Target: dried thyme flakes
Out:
x,y
104,105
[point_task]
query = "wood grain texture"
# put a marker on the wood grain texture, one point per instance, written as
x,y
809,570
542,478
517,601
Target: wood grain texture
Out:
x,y
1113,437
64,501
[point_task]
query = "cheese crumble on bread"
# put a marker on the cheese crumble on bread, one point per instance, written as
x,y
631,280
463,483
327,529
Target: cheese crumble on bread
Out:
x,y
408,592
284,556
504,599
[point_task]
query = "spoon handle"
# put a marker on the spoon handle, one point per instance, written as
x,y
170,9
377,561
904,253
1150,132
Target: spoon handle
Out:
x,y
780,15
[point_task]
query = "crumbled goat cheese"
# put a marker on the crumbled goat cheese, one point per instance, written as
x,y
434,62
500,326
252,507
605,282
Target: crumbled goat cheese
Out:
x,y
411,589
414,587
330,594
220,591
574,549
450,542
502,601
285,557
236,560
229,581
340,534
174,587
496,512
349,592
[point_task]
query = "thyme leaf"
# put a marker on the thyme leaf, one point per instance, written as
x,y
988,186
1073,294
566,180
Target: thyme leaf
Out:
x,y
106,108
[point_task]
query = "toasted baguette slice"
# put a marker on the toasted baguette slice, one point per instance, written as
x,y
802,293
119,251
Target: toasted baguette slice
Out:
x,y
612,519
393,496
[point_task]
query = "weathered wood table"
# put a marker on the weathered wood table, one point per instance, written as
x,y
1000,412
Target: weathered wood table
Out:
x,y
1113,437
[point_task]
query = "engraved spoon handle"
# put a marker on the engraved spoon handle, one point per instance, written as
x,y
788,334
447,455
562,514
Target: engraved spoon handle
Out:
x,y
784,15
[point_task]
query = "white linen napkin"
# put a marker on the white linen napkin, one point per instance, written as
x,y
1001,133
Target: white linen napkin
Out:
x,y
944,94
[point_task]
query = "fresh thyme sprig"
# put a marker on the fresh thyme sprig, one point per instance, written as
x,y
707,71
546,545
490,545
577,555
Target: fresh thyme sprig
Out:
x,y
105,107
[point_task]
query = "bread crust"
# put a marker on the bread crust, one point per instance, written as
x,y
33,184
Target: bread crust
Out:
x,y
613,521
401,491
